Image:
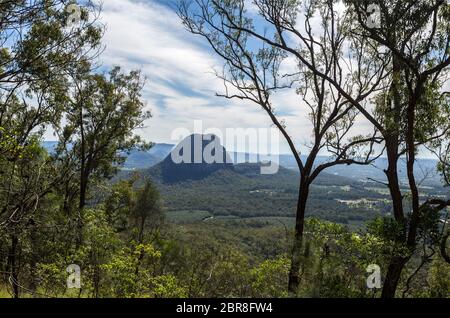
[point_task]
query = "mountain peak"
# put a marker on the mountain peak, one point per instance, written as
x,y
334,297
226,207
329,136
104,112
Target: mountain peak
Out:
x,y
195,157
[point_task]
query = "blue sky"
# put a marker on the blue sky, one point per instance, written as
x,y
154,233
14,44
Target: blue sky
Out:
x,y
179,67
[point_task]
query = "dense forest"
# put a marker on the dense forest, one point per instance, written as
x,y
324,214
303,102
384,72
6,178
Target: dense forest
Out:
x,y
79,220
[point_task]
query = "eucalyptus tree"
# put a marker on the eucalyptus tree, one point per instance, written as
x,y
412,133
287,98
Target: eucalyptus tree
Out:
x,y
101,120
331,85
148,217
415,109
37,50
442,151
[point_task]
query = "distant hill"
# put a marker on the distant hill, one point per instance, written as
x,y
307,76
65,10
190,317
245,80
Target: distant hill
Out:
x,y
187,160
224,190
240,190
138,159
425,168
161,150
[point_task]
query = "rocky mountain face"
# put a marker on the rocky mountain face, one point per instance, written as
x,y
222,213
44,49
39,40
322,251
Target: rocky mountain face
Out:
x,y
195,157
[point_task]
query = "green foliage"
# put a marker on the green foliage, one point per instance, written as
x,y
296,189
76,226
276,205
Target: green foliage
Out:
x,y
167,286
439,278
244,193
62,208
121,279
269,279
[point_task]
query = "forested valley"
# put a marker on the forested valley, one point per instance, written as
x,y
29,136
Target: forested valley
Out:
x,y
82,217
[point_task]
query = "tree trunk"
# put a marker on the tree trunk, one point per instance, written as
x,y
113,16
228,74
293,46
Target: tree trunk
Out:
x,y
96,280
392,176
12,264
140,240
83,191
393,276
294,272
396,263
84,177
33,260
411,159
392,146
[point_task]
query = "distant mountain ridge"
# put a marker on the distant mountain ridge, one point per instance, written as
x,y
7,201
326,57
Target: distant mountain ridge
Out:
x,y
425,168
138,159
225,190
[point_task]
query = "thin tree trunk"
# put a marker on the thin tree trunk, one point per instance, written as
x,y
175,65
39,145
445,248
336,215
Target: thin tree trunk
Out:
x,y
84,176
396,263
411,159
392,144
83,190
140,240
33,260
294,272
393,276
393,181
12,261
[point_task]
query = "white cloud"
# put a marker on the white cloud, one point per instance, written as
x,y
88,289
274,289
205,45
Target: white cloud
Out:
x,y
179,68
181,85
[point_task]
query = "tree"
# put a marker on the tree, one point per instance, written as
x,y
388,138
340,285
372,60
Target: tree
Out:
x,y
148,217
139,212
36,52
102,117
410,111
442,151
324,78
416,35
38,46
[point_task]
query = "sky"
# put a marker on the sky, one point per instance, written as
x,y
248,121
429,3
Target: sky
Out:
x,y
180,83
181,86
